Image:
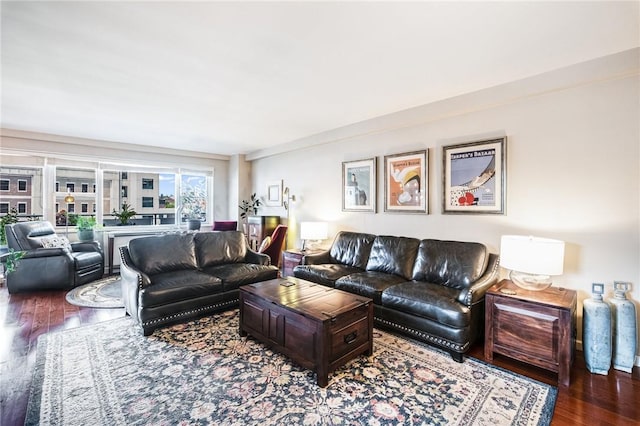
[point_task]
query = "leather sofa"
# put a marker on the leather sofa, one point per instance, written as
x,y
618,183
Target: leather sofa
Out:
x,y
50,262
173,277
428,289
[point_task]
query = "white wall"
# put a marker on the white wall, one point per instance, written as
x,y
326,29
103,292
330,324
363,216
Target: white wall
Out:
x,y
572,168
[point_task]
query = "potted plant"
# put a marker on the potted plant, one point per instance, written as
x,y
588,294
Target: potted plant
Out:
x,y
11,260
193,207
11,217
125,214
248,207
85,226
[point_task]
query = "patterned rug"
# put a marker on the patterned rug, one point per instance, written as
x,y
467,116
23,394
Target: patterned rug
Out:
x,y
104,293
203,373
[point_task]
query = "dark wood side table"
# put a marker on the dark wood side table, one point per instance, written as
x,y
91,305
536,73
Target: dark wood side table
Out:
x,y
535,327
292,258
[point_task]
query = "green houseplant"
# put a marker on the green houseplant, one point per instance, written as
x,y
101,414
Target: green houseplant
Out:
x,y
11,217
11,260
86,225
249,206
125,214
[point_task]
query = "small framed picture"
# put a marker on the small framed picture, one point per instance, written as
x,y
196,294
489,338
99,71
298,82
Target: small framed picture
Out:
x,y
359,189
474,177
406,182
274,193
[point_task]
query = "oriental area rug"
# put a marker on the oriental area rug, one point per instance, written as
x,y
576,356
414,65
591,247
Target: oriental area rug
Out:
x,y
203,373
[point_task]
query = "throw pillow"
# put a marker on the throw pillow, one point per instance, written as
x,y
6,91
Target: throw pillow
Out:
x,y
56,242
265,244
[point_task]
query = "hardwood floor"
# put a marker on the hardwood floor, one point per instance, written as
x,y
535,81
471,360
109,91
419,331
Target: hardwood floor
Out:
x,y
590,400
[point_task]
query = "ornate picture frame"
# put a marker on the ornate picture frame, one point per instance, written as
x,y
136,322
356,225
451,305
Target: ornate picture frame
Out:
x,y
474,178
406,182
359,185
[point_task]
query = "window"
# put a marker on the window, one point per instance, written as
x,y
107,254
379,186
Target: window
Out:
x,y
193,196
24,186
124,192
147,183
94,187
22,208
4,208
57,186
147,201
84,208
74,178
124,175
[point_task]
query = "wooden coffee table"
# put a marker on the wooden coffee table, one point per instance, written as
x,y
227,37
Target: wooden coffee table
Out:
x,y
318,327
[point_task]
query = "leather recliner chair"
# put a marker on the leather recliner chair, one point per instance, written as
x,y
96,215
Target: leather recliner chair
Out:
x,y
50,262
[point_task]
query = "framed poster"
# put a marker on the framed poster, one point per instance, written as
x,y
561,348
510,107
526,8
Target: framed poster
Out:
x,y
406,182
474,177
274,193
359,185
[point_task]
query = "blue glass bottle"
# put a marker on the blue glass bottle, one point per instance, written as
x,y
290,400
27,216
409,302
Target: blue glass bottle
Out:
x,y
596,331
624,325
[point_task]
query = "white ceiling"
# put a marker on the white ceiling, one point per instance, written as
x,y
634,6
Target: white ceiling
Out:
x,y
236,77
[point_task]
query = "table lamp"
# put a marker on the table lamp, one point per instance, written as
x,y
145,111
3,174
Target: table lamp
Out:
x,y
312,231
532,260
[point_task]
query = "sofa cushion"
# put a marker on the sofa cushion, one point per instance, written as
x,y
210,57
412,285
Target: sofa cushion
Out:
x,y
55,241
454,264
393,255
433,301
217,248
325,274
237,274
370,284
163,253
352,249
177,286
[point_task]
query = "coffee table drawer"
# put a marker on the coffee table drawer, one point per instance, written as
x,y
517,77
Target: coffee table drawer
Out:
x,y
348,338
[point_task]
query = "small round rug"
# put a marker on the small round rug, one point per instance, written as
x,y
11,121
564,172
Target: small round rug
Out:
x,y
103,293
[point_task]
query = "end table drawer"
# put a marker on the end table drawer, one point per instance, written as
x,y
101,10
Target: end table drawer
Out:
x,y
531,332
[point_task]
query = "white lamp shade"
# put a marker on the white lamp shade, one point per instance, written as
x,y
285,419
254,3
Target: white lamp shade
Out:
x,y
532,255
313,230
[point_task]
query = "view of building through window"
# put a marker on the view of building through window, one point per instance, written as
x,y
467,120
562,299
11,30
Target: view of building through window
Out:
x,y
151,195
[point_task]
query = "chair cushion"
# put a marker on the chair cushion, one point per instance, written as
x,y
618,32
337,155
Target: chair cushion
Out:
x,y
370,284
352,249
176,286
393,255
55,241
265,243
454,264
163,253
217,248
325,274
237,274
432,301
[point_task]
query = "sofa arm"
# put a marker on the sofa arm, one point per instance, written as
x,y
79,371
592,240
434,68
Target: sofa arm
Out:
x,y
257,258
129,274
317,258
476,292
87,246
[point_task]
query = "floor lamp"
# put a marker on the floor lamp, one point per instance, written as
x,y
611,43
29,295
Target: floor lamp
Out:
x,y
68,200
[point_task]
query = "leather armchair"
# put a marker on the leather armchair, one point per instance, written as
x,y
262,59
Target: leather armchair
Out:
x,y
275,246
50,262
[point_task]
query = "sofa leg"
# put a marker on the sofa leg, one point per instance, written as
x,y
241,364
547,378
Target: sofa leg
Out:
x,y
457,356
147,331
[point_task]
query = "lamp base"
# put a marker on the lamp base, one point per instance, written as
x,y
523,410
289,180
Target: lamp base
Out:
x,y
531,282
